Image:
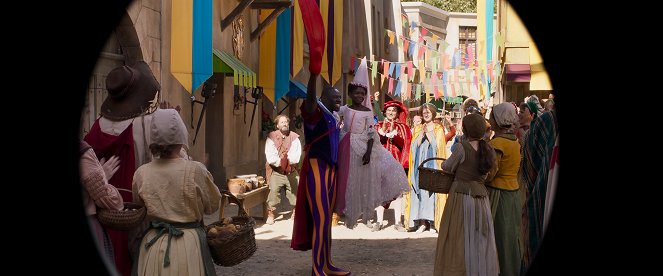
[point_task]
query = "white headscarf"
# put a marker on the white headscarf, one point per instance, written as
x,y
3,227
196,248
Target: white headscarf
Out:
x,y
505,115
167,128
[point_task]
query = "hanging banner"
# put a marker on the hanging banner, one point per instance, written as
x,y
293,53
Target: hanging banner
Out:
x,y
191,42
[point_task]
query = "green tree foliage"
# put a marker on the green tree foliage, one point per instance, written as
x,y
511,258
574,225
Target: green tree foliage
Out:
x,y
451,5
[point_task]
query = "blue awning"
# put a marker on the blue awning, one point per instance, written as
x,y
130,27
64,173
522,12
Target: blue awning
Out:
x,y
297,90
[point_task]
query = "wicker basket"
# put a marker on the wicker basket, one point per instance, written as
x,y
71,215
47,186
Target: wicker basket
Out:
x,y
129,217
435,181
238,247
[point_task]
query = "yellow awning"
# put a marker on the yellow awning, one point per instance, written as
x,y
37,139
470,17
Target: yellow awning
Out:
x,y
227,64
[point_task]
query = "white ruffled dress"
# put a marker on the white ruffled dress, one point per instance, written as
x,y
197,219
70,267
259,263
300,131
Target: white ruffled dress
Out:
x,y
373,184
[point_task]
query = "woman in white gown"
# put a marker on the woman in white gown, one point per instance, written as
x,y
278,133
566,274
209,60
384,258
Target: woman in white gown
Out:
x,y
373,175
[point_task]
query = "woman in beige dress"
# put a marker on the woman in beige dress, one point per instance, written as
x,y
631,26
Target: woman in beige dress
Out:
x,y
177,193
466,240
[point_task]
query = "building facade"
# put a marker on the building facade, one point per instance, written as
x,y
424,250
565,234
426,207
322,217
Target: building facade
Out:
x,y
144,33
522,70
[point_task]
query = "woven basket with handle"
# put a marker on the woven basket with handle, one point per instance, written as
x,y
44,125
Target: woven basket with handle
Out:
x,y
237,246
435,181
129,217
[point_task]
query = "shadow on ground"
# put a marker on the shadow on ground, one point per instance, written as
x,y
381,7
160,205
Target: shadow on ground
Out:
x,y
362,257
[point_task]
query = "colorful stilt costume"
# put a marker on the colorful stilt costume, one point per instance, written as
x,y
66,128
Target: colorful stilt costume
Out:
x,y
316,192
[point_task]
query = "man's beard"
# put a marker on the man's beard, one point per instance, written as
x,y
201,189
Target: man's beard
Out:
x,y
285,131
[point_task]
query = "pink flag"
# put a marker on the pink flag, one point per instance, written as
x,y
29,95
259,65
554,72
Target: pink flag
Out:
x,y
470,57
408,91
385,66
409,70
391,86
422,50
424,31
433,78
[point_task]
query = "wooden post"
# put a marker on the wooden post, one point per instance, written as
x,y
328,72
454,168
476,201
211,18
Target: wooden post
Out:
x,y
261,28
235,13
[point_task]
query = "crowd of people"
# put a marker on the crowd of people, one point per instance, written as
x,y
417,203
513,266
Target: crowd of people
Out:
x,y
354,161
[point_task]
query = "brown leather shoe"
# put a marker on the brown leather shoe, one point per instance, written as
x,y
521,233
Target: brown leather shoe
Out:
x,y
270,217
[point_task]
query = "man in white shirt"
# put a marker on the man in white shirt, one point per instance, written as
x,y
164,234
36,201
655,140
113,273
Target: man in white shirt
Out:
x,y
282,150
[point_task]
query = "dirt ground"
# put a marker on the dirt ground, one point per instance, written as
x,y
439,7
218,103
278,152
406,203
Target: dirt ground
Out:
x,y
386,252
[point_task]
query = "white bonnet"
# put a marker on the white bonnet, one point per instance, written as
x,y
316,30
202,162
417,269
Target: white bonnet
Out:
x,y
167,128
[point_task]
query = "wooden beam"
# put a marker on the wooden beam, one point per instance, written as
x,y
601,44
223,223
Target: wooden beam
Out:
x,y
261,28
271,4
225,22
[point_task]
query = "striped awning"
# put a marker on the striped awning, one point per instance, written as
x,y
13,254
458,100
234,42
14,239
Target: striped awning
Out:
x,y
227,64
297,90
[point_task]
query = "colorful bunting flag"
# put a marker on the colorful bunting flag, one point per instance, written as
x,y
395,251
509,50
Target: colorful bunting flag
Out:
x,y
410,51
408,92
397,71
397,91
374,71
385,69
422,50
434,40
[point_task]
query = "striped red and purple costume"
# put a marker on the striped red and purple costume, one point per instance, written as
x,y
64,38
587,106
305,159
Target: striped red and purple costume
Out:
x,y
317,190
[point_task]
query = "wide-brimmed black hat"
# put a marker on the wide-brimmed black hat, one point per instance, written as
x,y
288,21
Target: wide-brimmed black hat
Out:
x,y
131,88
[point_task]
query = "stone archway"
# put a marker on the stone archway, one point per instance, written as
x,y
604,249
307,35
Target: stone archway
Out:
x,y
122,47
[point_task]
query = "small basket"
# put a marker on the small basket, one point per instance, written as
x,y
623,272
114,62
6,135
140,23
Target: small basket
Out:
x,y
126,219
238,247
435,181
